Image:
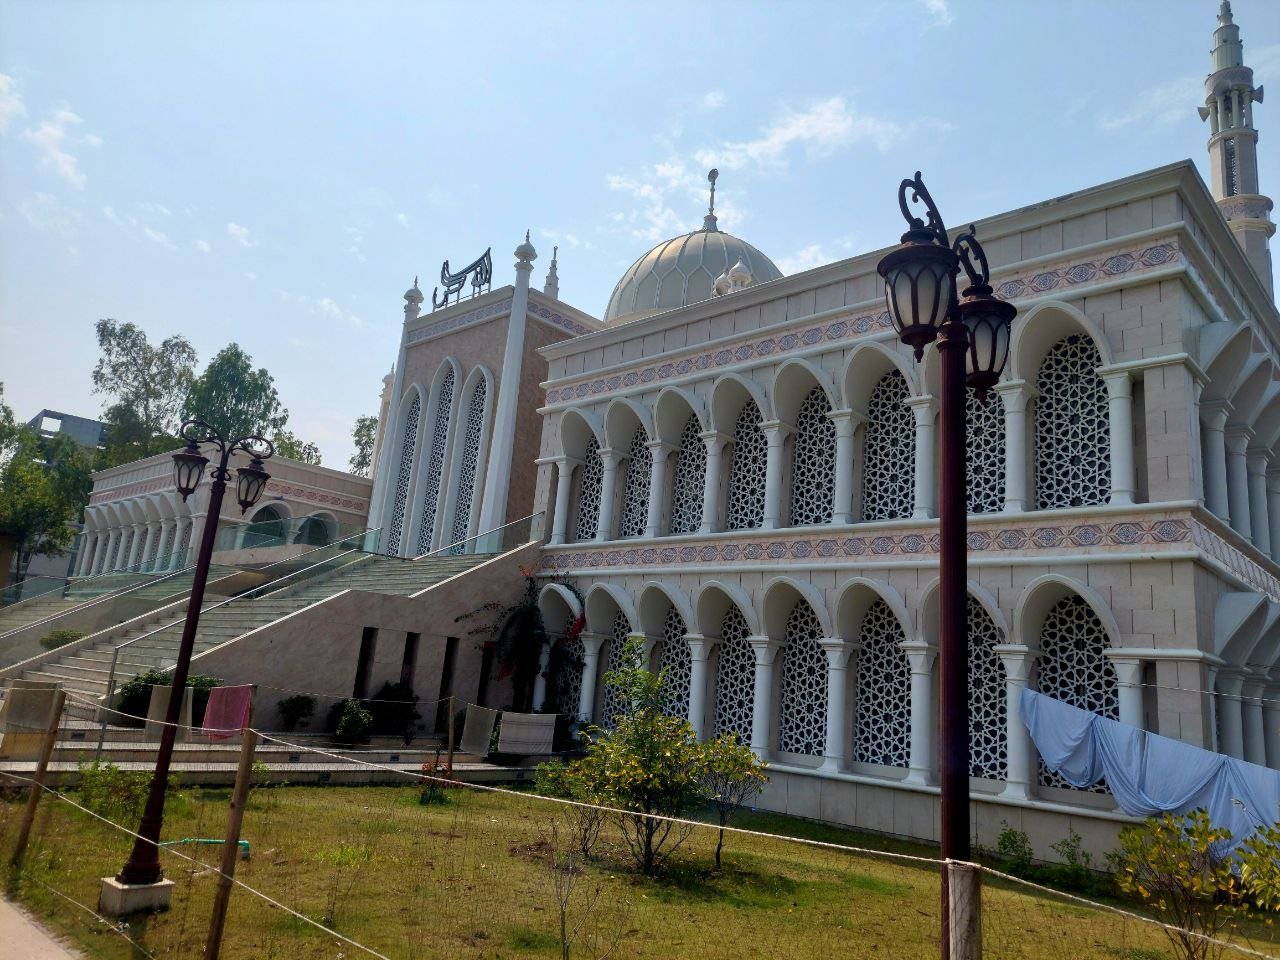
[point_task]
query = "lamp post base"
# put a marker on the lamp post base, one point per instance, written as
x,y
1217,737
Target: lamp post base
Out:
x,y
118,899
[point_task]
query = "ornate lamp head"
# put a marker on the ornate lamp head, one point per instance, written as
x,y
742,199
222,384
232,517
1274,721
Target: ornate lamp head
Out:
x,y
188,469
250,482
986,318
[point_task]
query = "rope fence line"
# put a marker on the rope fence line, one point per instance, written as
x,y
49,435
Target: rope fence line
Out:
x,y
111,925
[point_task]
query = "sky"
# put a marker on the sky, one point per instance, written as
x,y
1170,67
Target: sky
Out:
x,y
275,173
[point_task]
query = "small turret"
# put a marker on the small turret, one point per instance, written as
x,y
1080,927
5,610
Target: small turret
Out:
x,y
552,285
413,301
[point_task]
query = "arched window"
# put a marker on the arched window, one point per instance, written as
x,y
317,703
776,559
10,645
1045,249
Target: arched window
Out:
x,y
813,474
735,678
408,444
889,458
883,732
185,545
802,727
677,663
434,476
566,668
747,463
635,486
988,750
613,704
688,479
984,424
1072,429
592,476
469,462
1075,668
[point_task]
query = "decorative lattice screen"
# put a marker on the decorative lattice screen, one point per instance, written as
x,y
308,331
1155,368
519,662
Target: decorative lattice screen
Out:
x,y
589,492
470,461
735,678
635,486
677,663
889,457
985,451
688,479
434,475
988,750
813,474
1072,428
612,704
802,725
883,731
747,466
408,444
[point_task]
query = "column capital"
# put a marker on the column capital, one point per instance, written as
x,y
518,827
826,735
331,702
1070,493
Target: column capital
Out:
x,y
847,419
700,647
766,649
775,431
660,446
1128,668
611,457
924,408
1229,683
1119,382
1257,460
1215,413
1018,659
1238,437
1016,393
712,437
591,643
839,651
563,461
920,654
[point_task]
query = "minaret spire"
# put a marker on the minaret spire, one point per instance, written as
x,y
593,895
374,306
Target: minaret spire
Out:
x,y
1233,145
709,221
552,285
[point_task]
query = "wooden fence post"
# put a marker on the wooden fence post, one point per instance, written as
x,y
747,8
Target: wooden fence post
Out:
x,y
964,896
231,845
37,781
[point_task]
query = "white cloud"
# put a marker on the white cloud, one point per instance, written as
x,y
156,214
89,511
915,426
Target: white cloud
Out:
x,y
155,208
1160,105
48,214
157,236
939,12
322,306
202,246
805,258
240,235
11,105
251,276
53,137
564,238
402,220
712,100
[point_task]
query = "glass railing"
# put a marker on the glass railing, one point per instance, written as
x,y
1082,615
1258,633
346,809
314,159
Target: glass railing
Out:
x,y
499,540
30,587
51,588
304,531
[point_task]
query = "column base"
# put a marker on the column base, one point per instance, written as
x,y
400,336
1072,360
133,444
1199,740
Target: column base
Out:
x,y
922,515
1016,791
831,765
118,899
919,777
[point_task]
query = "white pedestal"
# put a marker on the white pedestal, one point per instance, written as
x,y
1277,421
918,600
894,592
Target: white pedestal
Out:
x,y
120,899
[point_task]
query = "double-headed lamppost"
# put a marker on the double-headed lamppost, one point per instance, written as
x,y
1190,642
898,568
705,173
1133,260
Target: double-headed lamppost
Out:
x,y
972,332
143,866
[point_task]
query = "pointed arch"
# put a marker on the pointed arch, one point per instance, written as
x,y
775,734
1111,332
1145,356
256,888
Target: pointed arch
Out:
x,y
780,596
714,600
401,488
867,365
651,611
605,599
1043,326
671,413
792,384
728,394
469,457
440,418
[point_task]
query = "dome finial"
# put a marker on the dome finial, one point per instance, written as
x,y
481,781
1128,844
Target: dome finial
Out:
x,y
709,221
552,285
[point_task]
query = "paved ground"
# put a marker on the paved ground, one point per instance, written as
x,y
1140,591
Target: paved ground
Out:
x,y
23,937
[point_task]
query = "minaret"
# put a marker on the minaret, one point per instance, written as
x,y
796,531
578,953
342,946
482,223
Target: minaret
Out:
x,y
1233,145
552,285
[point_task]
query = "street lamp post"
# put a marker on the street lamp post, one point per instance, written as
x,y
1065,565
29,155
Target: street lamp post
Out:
x,y
972,334
143,866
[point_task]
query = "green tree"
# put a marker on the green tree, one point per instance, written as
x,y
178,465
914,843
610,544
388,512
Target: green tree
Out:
x,y
235,398
128,438
732,776
363,435
44,485
148,384
288,445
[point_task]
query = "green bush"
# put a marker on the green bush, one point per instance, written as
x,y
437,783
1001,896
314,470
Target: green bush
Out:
x,y
353,722
119,795
60,638
293,710
1014,848
135,695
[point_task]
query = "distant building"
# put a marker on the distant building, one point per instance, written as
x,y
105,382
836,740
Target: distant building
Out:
x,y
86,432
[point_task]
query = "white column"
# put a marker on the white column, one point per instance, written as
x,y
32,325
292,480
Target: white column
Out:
x,y
924,409
1214,421
1252,729
135,545
842,500
711,483
839,653
608,494
564,481
497,481
1230,715
1273,513
775,435
699,653
766,651
154,531
103,556
1237,439
591,644
87,547
660,452
1271,725
921,657
1129,693
1015,394
1120,417
540,678
1021,773
1256,463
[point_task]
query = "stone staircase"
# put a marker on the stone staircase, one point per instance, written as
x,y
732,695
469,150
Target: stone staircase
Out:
x,y
84,673
21,614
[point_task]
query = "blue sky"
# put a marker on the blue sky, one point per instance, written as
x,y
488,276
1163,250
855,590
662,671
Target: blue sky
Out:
x,y
275,173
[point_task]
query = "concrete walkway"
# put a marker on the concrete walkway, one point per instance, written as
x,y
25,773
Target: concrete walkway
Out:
x,y
24,937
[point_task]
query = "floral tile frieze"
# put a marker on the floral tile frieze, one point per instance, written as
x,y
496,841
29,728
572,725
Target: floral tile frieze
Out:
x,y
1022,538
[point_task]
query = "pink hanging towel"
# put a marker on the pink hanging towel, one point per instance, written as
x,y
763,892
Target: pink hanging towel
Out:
x,y
227,712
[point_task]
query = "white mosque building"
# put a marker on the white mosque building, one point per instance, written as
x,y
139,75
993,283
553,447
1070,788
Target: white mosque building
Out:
x,y
739,467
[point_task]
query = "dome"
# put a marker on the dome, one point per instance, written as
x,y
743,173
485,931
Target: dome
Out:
x,y
683,270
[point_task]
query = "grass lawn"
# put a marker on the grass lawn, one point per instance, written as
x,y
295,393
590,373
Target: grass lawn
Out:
x,y
469,878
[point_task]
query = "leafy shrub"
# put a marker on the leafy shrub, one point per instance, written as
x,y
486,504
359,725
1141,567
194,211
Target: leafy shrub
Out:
x,y
394,711
732,775
1014,848
353,722
60,638
119,795
295,709
574,782
135,695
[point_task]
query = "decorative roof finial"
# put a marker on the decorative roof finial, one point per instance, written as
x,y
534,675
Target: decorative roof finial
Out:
x,y
709,221
525,252
552,285
1224,13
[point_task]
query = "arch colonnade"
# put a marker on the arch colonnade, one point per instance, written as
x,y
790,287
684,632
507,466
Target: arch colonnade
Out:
x,y
139,534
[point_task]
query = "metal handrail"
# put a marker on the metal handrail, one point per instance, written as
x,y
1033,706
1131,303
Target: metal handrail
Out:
x,y
67,582
449,548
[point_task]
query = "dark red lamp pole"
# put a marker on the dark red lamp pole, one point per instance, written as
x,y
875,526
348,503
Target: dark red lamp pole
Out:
x,y
143,866
972,333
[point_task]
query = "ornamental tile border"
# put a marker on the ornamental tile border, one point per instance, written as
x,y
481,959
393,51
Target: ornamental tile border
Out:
x,y
1028,537
537,310
1235,560
1027,284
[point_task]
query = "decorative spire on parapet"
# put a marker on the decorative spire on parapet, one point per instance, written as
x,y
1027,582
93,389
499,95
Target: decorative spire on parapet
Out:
x,y
1233,145
736,278
552,286
412,301
525,254
709,221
